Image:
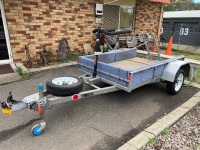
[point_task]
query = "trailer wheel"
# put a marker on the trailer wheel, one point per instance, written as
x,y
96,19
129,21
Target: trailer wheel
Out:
x,y
64,86
174,87
36,130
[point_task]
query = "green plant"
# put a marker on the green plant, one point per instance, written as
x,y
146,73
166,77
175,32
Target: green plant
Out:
x,y
73,56
176,53
23,74
187,85
166,131
151,142
198,73
197,146
187,54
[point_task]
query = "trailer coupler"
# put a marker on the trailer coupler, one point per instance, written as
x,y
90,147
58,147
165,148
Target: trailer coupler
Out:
x,y
7,111
12,105
32,102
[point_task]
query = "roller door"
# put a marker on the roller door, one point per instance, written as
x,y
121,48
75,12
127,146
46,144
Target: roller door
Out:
x,y
167,31
186,33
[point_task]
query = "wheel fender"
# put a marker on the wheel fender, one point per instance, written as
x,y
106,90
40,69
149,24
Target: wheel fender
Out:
x,y
172,68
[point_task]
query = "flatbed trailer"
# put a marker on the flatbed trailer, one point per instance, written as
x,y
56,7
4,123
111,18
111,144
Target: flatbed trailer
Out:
x,y
126,71
122,69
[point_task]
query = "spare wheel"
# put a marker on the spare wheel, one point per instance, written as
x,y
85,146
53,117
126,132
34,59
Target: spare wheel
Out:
x,y
64,86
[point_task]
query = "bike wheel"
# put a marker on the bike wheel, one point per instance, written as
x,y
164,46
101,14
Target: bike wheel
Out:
x,y
64,50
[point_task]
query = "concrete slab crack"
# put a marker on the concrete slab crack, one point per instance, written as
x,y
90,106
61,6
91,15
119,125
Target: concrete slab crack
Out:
x,y
150,133
99,131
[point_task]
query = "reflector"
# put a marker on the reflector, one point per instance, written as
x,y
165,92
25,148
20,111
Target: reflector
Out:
x,y
75,97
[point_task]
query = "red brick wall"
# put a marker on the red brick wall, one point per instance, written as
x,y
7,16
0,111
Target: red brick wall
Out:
x,y
147,16
37,22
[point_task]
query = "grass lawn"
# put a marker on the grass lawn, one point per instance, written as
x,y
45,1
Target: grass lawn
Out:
x,y
190,55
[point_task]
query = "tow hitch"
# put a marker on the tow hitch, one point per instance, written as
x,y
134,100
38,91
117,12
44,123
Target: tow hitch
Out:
x,y
11,105
6,106
34,102
43,100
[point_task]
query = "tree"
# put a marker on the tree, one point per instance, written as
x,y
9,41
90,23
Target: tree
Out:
x,y
181,5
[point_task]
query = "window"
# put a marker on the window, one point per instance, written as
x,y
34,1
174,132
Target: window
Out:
x,y
118,17
126,18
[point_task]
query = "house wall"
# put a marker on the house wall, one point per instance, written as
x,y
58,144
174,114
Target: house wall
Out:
x,y
147,17
37,22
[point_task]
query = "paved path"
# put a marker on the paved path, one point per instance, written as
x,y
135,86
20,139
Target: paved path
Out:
x,y
103,122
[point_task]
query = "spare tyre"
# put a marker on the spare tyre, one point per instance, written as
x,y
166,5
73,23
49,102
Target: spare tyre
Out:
x,y
64,86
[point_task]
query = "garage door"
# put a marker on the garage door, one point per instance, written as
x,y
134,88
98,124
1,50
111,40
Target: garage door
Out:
x,y
186,33
167,31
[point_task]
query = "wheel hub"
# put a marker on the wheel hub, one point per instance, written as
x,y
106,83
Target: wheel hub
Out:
x,y
179,82
64,81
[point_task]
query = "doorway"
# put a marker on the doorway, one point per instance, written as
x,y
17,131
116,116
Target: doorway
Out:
x,y
5,52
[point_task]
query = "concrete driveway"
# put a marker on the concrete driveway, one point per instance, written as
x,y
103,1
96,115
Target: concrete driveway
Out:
x,y
103,122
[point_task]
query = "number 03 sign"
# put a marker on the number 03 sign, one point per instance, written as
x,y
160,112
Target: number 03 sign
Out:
x,y
184,31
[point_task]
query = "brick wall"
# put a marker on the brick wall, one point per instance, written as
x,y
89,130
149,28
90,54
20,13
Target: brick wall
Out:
x,y
37,22
147,16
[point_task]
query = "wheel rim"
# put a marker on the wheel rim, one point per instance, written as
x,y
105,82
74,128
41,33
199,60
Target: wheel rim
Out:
x,y
179,82
36,130
64,81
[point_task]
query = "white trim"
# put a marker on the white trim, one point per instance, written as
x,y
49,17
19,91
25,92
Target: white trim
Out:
x,y
160,21
111,2
182,14
119,18
6,34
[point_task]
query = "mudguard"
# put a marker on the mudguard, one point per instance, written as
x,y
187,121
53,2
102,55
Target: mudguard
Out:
x,y
172,68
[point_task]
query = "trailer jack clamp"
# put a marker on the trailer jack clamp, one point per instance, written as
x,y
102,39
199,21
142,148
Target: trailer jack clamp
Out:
x,y
7,111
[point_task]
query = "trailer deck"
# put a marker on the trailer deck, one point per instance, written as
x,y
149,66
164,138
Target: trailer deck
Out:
x,y
132,63
124,69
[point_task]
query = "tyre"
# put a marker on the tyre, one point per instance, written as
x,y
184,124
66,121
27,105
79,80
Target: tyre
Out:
x,y
174,87
36,130
63,50
64,86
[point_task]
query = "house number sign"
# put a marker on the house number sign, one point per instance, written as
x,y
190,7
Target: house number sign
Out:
x,y
184,31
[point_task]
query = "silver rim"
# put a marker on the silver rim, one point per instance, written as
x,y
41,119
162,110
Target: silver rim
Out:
x,y
179,82
64,81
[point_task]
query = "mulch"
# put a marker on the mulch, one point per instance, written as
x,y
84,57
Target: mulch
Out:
x,y
5,69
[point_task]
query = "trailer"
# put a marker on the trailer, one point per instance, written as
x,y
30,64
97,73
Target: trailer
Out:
x,y
122,69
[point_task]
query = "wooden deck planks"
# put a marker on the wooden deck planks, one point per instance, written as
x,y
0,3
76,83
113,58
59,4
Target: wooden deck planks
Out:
x,y
132,63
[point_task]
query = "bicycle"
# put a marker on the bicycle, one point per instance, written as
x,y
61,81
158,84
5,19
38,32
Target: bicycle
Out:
x,y
109,39
63,50
162,41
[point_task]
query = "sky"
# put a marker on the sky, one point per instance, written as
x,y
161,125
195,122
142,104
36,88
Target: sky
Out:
x,y
196,1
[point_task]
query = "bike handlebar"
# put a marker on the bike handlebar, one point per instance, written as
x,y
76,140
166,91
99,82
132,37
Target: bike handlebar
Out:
x,y
111,32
